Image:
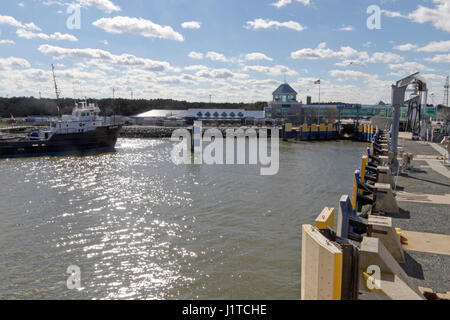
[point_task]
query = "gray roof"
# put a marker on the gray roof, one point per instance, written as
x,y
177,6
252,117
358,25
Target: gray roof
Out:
x,y
284,89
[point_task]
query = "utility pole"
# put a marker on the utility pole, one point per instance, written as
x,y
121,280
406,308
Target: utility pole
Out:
x,y
446,87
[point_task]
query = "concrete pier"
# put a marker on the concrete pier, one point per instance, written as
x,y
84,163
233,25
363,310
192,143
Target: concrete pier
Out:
x,y
156,132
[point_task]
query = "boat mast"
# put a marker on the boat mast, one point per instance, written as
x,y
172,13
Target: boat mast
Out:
x,y
56,89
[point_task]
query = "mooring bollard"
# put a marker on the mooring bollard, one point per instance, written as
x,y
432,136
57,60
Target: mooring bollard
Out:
x,y
360,132
305,132
313,132
330,131
287,131
322,131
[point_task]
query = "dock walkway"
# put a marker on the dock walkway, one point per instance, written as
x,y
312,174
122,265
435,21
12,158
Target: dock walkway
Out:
x,y
423,195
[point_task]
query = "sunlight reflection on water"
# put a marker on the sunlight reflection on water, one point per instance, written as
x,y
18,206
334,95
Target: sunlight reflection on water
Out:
x,y
140,227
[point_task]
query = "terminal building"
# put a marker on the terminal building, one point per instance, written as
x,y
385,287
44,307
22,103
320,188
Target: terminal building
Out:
x,y
182,117
284,104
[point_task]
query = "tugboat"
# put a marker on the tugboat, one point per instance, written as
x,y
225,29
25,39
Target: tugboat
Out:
x,y
81,132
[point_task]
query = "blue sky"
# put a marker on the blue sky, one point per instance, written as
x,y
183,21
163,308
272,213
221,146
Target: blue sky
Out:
x,y
234,50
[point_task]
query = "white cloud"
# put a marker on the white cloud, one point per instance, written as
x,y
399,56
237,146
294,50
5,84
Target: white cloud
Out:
x,y
191,25
214,56
257,56
282,3
103,56
105,42
386,57
351,74
441,46
322,52
406,47
436,78
275,70
196,67
7,42
139,26
409,67
22,33
347,28
218,74
13,62
103,5
350,55
195,55
393,14
438,16
368,44
267,24
347,63
8,20
440,58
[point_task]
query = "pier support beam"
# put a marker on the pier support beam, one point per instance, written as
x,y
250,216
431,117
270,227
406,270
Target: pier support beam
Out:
x,y
384,199
385,176
382,228
344,212
321,266
326,219
381,274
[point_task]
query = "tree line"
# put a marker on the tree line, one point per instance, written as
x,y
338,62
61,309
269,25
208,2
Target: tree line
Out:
x,y
29,106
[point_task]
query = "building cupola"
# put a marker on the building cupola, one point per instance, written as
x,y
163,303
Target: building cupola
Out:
x,y
284,94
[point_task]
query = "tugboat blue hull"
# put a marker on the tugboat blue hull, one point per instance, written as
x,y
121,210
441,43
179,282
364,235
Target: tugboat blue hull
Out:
x,y
101,139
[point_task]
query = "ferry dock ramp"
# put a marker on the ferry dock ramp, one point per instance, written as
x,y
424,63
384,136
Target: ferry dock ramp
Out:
x,y
389,238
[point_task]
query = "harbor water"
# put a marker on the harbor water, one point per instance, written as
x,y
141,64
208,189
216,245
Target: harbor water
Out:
x,y
140,227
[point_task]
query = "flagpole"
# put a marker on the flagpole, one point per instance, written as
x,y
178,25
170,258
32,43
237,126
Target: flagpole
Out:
x,y
320,83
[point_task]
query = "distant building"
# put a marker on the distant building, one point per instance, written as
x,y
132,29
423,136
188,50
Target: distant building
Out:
x,y
284,104
162,117
202,114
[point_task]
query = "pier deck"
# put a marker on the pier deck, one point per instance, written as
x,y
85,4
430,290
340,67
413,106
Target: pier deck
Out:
x,y
423,195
